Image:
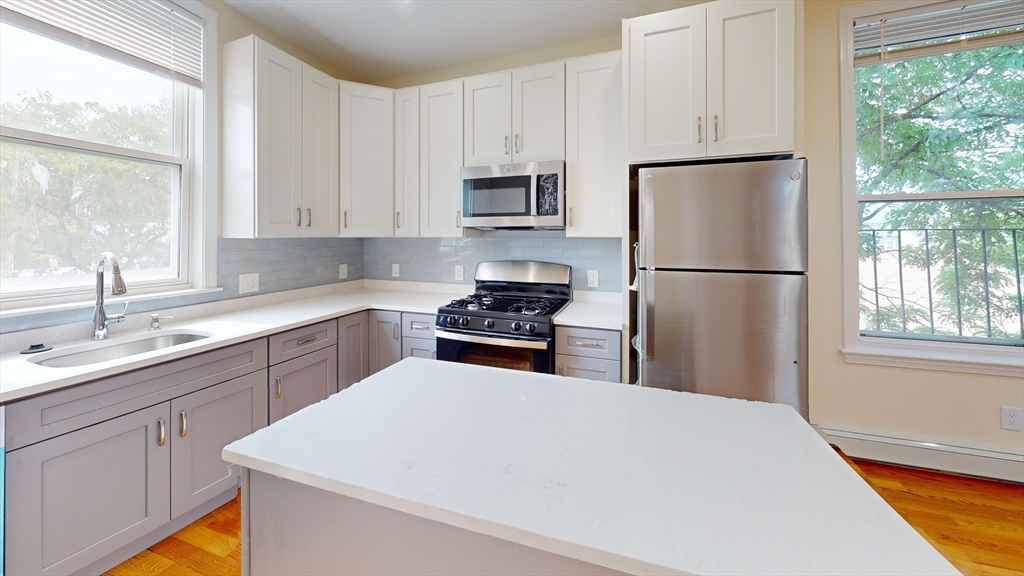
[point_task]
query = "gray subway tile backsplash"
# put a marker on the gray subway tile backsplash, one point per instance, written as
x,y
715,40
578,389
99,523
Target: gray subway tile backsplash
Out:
x,y
291,263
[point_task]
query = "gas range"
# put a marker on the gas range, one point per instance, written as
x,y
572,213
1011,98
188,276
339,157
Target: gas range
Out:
x,y
507,322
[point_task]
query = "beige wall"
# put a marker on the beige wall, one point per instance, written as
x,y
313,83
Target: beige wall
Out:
x,y
943,407
604,44
232,25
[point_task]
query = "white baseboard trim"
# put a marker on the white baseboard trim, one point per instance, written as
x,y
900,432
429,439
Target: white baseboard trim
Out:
x,y
959,459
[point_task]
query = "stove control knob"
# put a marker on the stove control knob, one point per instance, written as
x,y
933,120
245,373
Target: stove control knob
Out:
x,y
531,328
489,324
464,321
451,320
516,326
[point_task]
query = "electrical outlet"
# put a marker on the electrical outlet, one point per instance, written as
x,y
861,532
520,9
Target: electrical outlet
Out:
x,y
248,283
394,270
592,280
460,273
1010,419
342,271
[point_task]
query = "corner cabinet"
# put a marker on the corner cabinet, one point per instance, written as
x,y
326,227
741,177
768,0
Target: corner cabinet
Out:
x,y
367,160
441,160
279,142
594,154
711,80
407,162
385,339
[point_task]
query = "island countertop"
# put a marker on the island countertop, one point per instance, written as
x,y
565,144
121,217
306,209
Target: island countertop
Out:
x,y
634,479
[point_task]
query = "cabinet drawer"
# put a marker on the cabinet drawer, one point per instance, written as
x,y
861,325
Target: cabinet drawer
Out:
x,y
588,343
48,415
589,368
419,348
418,325
295,343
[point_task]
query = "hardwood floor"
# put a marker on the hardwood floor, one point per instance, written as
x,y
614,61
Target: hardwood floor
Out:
x,y
978,525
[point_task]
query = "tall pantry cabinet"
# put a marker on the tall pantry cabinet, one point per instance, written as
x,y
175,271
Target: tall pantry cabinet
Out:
x,y
280,145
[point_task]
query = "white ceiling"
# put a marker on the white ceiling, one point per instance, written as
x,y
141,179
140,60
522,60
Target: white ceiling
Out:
x,y
378,39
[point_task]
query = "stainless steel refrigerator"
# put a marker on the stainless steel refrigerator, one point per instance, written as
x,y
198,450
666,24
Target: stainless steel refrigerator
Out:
x,y
722,300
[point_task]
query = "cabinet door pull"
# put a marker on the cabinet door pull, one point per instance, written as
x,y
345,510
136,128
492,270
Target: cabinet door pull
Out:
x,y
560,371
345,213
394,330
506,145
570,216
305,341
184,424
434,355
458,219
309,217
161,435
277,379
517,143
398,219
588,344
698,130
716,127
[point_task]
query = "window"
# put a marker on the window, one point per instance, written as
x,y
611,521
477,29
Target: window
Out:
x,y
101,141
938,172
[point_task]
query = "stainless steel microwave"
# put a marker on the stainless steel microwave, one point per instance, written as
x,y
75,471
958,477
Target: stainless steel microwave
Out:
x,y
527,195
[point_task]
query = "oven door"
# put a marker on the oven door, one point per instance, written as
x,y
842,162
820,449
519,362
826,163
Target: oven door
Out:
x,y
511,353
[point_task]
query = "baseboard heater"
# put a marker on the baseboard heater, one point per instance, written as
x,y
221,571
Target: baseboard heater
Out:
x,y
959,459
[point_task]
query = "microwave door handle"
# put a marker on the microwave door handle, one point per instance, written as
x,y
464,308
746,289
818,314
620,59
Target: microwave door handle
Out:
x,y
535,191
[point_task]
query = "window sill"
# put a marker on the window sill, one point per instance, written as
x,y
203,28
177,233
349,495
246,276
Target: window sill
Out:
x,y
67,306
946,357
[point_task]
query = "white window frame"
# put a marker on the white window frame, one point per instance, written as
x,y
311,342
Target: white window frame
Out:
x,y
905,353
199,185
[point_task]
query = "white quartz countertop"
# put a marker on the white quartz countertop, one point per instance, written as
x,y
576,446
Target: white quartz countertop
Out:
x,y
20,378
640,480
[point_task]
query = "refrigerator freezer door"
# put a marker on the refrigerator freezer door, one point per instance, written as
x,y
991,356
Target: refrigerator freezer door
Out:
x,y
736,216
726,334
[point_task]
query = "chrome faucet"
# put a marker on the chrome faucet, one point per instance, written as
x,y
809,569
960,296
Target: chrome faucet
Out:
x,y
117,287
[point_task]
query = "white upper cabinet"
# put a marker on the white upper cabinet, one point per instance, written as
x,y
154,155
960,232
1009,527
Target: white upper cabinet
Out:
x,y
366,160
666,58
538,113
319,153
278,148
594,154
441,139
407,162
750,77
715,79
488,119
515,116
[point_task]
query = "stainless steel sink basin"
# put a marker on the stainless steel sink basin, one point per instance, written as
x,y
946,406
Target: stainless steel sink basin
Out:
x,y
103,351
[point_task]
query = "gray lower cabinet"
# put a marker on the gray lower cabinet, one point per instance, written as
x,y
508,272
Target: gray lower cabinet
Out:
x,y
75,498
203,423
589,368
353,348
419,348
305,380
385,339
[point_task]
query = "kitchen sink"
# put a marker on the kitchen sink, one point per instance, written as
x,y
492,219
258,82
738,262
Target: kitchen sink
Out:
x,y
103,351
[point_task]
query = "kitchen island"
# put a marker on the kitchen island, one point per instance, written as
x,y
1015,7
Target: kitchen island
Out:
x,y
431,467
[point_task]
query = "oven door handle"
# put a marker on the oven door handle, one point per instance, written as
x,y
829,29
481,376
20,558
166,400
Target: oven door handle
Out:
x,y
532,344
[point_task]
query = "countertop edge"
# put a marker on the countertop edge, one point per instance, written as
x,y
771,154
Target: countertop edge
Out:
x,y
473,524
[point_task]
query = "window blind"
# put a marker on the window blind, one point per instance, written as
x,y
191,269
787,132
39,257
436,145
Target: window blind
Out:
x,y
952,21
150,34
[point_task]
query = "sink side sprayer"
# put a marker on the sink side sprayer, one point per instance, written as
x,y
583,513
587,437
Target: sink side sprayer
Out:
x,y
117,287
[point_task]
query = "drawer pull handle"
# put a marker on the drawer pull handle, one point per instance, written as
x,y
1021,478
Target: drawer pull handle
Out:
x,y
278,381
184,424
417,326
305,341
161,436
588,344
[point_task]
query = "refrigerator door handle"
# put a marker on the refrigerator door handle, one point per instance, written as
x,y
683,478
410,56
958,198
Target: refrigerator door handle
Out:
x,y
646,327
645,258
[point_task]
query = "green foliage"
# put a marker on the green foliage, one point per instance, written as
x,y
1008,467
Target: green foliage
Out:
x,y
59,209
951,123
